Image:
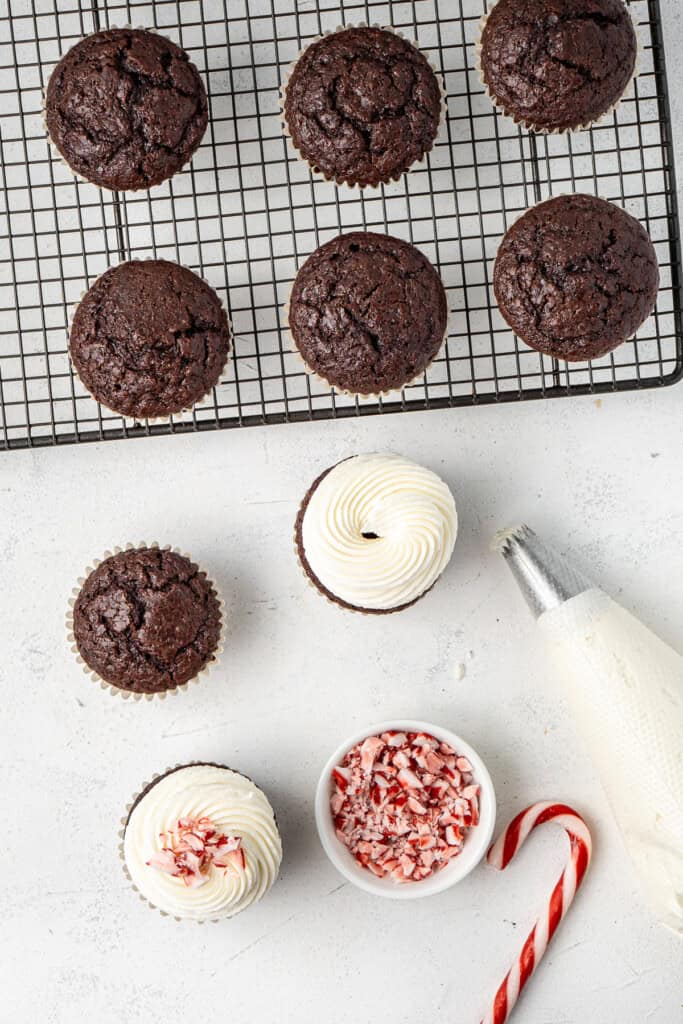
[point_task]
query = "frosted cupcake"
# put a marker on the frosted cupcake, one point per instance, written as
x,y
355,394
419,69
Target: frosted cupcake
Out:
x,y
201,843
375,532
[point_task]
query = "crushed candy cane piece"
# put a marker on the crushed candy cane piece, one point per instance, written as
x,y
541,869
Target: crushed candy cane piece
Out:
x,y
192,847
402,803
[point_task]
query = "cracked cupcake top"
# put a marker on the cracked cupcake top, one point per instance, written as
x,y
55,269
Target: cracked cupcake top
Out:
x,y
126,109
150,338
368,313
558,64
147,620
362,105
575,277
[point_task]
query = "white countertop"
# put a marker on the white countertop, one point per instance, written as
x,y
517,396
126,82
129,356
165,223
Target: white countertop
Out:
x,y
602,479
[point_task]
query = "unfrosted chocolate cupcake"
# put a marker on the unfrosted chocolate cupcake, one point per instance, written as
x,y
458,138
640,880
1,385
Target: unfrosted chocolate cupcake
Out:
x,y
575,277
147,620
126,109
361,105
368,313
149,339
557,64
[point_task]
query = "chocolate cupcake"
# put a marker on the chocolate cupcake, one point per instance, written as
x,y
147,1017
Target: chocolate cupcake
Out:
x,y
201,843
126,109
367,313
149,339
575,277
557,65
145,621
362,105
375,532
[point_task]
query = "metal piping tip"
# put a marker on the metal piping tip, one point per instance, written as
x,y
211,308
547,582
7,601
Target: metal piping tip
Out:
x,y
545,578
503,539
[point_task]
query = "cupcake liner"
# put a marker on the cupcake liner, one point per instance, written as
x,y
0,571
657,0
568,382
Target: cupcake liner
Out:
x,y
111,687
540,129
360,394
320,175
53,145
173,417
126,817
321,590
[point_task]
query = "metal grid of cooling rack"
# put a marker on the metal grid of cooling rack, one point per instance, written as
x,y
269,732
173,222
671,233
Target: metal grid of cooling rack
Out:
x,y
248,213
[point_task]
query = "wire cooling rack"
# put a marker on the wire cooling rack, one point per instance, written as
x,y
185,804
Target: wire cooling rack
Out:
x,y
248,213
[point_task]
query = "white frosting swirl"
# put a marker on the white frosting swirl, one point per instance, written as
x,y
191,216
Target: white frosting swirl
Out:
x,y
412,514
236,807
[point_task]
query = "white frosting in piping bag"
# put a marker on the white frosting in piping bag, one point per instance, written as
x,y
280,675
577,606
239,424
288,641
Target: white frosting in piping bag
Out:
x,y
236,807
625,686
409,510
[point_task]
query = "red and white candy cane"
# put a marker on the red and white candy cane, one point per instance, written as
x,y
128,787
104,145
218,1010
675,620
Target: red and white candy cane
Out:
x,y
500,855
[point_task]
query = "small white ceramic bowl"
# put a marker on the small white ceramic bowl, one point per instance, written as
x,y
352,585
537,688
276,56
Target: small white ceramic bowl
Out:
x,y
476,843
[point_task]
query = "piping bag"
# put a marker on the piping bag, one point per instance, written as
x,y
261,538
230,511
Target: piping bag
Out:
x,y
625,687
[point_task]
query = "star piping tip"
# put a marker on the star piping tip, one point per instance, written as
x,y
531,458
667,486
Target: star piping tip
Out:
x,y
501,540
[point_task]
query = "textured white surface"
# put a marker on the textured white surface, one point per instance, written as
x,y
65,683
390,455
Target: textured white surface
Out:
x,y
602,479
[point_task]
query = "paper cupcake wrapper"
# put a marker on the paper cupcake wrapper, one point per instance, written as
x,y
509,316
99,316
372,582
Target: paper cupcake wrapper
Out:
x,y
173,417
122,831
541,129
118,690
373,395
513,221
316,172
55,148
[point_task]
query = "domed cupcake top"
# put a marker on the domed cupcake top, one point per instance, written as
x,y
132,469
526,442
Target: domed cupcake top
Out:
x,y
149,338
362,105
201,842
376,531
147,620
557,64
368,313
126,108
575,277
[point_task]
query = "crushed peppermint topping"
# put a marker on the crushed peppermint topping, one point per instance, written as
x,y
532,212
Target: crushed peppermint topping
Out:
x,y
403,804
192,847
